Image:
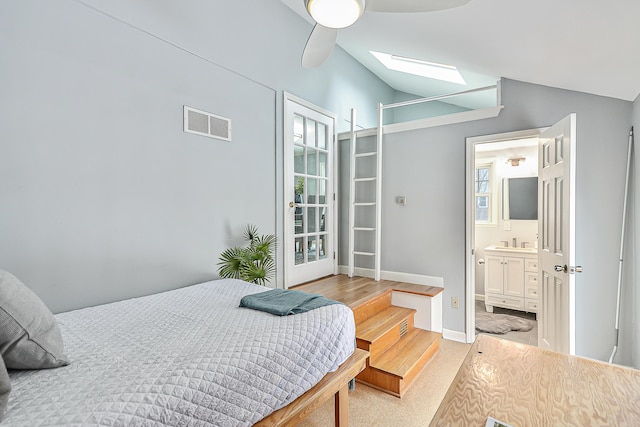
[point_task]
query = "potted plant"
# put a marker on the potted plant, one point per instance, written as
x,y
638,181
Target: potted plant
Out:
x,y
254,263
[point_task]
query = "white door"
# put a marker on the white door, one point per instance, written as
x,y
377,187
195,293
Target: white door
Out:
x,y
308,192
556,228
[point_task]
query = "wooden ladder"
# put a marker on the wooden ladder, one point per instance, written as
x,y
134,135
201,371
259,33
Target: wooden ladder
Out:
x,y
363,205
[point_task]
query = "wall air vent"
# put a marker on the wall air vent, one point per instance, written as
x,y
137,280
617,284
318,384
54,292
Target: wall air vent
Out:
x,y
206,124
404,328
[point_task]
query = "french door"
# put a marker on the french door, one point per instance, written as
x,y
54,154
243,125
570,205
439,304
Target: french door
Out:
x,y
308,192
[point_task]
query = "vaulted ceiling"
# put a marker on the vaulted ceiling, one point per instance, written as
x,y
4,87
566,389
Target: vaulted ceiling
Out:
x,y
587,46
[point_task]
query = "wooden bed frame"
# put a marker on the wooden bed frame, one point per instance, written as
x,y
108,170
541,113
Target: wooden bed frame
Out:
x,y
333,384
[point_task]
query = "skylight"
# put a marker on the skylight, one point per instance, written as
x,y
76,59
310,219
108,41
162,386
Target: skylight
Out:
x,y
432,70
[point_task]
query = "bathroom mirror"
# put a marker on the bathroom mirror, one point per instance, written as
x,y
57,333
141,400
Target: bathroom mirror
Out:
x,y
520,198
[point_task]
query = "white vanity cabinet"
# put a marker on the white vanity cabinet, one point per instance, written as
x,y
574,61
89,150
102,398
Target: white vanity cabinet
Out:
x,y
511,279
531,294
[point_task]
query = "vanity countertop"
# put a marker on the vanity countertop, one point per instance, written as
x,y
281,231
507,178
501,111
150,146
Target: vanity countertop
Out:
x,y
497,248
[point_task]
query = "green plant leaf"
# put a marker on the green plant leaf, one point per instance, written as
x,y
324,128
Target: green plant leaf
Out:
x,y
269,267
253,273
254,255
259,273
230,263
299,188
265,244
254,263
250,233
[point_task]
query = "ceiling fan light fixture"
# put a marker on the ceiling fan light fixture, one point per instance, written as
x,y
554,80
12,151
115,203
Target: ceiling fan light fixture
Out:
x,y
335,13
418,67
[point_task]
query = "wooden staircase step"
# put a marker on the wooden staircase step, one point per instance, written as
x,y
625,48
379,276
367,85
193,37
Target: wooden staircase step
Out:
x,y
372,306
396,369
404,356
381,323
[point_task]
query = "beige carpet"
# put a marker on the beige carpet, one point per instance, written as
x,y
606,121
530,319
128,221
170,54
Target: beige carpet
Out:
x,y
369,407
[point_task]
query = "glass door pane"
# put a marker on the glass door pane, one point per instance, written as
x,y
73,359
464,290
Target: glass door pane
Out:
x,y
308,239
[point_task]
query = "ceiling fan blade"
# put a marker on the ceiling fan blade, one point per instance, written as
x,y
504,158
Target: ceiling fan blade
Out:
x,y
410,6
319,46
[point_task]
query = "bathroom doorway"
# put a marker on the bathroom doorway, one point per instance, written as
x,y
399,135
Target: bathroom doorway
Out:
x,y
503,224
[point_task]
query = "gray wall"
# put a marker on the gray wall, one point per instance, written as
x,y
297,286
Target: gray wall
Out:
x,y
428,167
104,196
261,40
632,316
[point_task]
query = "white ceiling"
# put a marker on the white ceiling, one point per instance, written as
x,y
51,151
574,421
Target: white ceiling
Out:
x,y
506,145
584,45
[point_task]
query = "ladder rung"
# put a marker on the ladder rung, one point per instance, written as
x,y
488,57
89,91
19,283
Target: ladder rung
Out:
x,y
364,204
364,253
372,153
365,179
364,229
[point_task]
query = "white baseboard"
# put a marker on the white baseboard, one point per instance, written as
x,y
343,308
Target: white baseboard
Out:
x,y
458,336
418,279
479,297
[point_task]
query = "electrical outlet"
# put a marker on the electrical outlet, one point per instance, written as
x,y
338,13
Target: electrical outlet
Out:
x,y
454,302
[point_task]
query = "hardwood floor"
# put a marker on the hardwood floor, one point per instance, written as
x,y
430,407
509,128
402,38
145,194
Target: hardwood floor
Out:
x,y
355,291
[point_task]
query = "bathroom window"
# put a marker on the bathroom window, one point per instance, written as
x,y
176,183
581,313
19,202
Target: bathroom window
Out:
x,y
485,194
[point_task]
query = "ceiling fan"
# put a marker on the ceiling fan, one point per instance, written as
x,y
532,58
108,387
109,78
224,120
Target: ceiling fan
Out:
x,y
331,15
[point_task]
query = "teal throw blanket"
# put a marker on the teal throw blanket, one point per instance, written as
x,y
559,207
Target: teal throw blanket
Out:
x,y
283,302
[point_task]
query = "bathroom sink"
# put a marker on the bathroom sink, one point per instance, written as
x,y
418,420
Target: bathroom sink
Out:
x,y
512,249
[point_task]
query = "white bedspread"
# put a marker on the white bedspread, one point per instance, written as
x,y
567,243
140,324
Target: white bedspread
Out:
x,y
188,357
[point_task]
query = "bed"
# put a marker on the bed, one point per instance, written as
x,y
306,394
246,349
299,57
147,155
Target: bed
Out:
x,y
187,357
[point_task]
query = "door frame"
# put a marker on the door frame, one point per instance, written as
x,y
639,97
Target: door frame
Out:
x,y
470,258
287,245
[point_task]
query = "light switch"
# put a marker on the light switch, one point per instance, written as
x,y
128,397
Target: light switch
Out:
x,y
401,200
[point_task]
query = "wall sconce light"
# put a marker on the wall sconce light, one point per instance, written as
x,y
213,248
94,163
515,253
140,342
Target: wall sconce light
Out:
x,y
515,161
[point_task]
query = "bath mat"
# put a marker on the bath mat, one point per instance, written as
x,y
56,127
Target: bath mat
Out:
x,y
501,323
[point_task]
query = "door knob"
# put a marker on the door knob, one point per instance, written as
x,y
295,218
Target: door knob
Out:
x,y
561,268
566,268
293,205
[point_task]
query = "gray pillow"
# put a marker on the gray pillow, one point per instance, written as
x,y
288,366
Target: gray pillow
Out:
x,y
5,388
29,334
